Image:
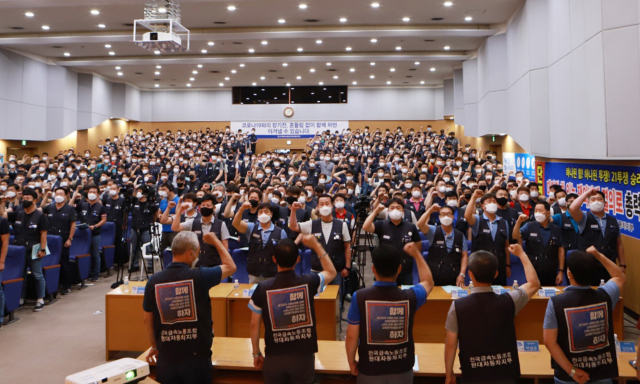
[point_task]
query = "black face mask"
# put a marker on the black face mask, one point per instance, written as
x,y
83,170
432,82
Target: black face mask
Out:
x,y
467,196
180,185
254,203
26,203
291,199
206,212
482,187
502,200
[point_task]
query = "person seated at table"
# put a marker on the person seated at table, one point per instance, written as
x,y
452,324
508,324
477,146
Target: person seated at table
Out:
x,y
381,319
578,326
176,301
483,322
290,336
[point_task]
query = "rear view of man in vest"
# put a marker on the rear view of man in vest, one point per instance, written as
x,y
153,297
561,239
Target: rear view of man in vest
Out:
x,y
262,238
578,327
290,322
598,229
381,320
483,323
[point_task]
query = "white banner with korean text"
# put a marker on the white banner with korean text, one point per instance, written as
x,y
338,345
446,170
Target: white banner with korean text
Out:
x,y
288,129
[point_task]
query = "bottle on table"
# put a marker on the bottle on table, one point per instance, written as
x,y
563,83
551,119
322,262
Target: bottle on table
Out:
x,y
515,284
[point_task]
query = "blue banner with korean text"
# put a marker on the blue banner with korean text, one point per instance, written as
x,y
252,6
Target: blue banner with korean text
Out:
x,y
288,129
620,185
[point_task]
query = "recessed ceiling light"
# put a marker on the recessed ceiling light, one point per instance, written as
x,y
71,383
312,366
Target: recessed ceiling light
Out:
x,y
448,3
188,84
254,84
264,42
233,71
120,73
226,78
374,40
231,8
199,65
335,77
158,66
318,41
101,26
352,70
157,85
67,54
328,64
348,49
211,43
312,70
343,19
416,63
372,77
113,53
157,72
375,5
241,65
354,82
406,19
388,83
221,84
118,68
284,64
192,79
392,69
288,84
298,77
302,6
372,63
29,14
433,69
162,10
204,51
468,18
194,72
251,50
446,47
320,83
107,45
95,12
281,21
157,52
398,48
262,77
45,27
422,82
300,49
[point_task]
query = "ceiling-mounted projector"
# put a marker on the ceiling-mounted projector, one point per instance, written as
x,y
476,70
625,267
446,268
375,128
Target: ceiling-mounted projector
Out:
x,y
160,30
123,371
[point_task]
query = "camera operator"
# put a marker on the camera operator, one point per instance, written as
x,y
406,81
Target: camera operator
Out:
x,y
143,212
114,204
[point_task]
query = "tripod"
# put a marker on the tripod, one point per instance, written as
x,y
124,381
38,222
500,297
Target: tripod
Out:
x,y
362,243
120,268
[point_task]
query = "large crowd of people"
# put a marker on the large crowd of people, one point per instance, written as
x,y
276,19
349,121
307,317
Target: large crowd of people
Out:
x,y
212,192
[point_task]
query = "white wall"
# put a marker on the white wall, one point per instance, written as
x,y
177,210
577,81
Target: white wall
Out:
x,y
563,81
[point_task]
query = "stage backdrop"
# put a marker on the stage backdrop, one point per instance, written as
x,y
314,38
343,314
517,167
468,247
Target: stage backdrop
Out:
x,y
620,184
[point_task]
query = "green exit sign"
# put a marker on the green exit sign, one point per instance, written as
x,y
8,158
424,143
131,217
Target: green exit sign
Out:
x,y
24,142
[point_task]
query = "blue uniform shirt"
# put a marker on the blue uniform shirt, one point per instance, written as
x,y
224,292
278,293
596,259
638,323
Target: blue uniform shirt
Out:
x,y
265,233
448,238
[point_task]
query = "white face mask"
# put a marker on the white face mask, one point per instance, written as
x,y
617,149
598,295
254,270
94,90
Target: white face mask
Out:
x,y
491,207
339,204
442,189
302,199
446,220
534,193
321,181
416,194
113,193
596,206
162,193
264,218
139,195
92,196
396,214
452,203
524,197
408,185
325,211
540,217
11,194
59,199
349,191
303,178
513,194
64,184
562,202
125,179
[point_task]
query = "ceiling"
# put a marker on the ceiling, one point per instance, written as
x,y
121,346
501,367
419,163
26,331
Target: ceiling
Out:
x,y
405,53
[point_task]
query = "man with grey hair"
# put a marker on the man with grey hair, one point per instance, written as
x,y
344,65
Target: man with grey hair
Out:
x,y
177,311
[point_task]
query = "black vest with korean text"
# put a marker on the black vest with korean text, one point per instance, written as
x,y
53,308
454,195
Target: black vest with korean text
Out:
x,y
544,257
209,256
260,257
592,235
334,245
569,234
483,240
445,265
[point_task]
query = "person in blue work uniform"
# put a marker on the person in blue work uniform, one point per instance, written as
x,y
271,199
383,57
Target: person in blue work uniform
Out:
x,y
490,232
447,247
578,326
262,240
544,244
598,229
177,312
290,324
567,224
381,320
483,326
